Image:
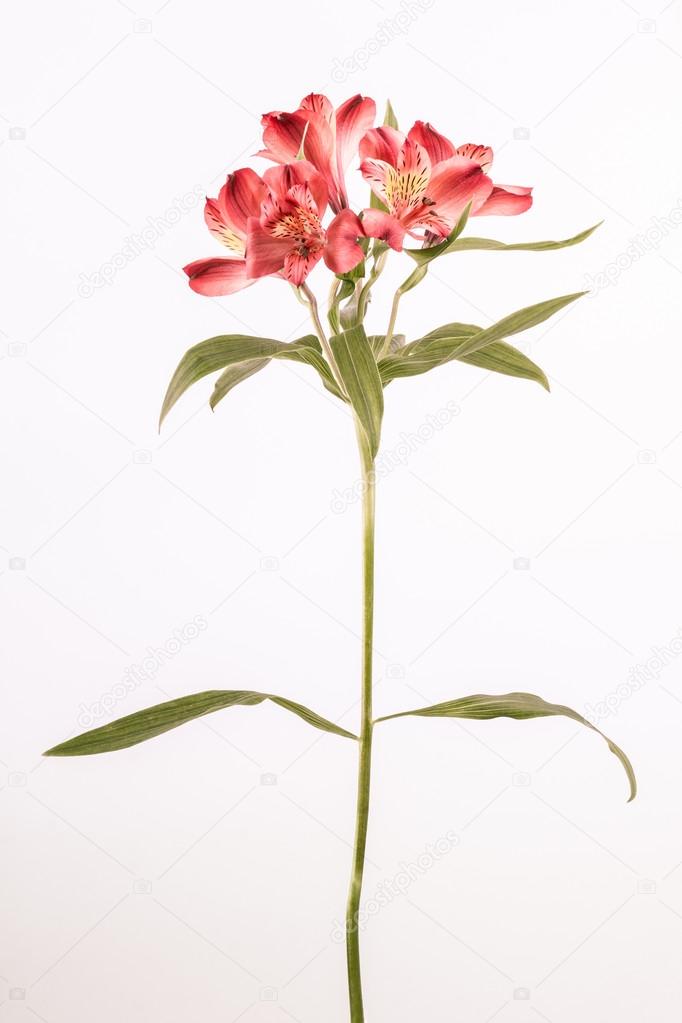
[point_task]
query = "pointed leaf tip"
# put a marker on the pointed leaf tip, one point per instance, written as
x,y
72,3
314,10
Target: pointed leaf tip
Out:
x,y
521,706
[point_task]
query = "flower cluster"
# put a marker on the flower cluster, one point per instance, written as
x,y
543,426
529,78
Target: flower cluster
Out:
x,y
273,224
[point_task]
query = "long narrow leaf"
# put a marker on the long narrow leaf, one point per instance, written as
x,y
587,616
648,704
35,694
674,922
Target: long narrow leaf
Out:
x,y
357,366
223,351
146,724
234,375
490,245
514,705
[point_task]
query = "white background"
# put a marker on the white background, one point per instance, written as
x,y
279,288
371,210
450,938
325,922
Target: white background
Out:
x,y
168,882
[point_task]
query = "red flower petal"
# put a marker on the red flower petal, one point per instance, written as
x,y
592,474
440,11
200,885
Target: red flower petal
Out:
x,y
436,145
217,276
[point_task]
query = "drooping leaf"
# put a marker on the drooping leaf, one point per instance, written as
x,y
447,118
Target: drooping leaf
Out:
x,y
500,357
145,724
358,369
453,343
490,245
514,705
227,350
234,375
424,256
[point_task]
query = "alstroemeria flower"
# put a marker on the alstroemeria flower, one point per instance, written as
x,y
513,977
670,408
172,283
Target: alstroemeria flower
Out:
x,y
226,218
426,183
288,238
327,138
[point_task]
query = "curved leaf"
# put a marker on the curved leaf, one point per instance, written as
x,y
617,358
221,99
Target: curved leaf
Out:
x,y
419,357
358,370
227,350
514,705
145,724
234,375
489,245
500,357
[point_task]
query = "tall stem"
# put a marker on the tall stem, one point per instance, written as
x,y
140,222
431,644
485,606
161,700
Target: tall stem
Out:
x,y
365,754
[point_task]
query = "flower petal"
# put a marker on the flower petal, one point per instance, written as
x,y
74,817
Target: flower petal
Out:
x,y
436,145
282,135
353,118
342,251
240,198
378,224
483,155
264,253
214,215
297,265
382,144
281,179
378,173
319,104
506,201
217,276
457,182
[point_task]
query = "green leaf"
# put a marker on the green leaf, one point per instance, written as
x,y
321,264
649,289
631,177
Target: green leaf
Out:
x,y
424,256
441,339
500,357
145,724
377,342
390,120
228,350
514,705
234,375
489,245
358,369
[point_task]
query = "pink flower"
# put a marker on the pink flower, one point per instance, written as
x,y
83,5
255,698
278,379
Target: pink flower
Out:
x,y
226,218
287,237
327,138
426,183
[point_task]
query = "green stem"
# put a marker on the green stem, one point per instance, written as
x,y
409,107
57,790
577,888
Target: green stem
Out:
x,y
365,755
391,323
